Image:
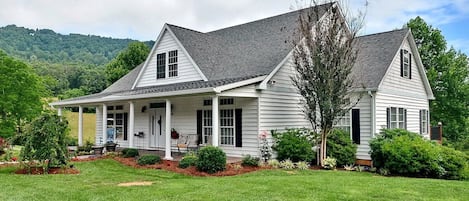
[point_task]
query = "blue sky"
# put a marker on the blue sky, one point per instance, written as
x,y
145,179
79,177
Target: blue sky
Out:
x,y
143,19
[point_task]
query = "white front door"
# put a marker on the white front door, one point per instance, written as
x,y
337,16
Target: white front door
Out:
x,y
157,128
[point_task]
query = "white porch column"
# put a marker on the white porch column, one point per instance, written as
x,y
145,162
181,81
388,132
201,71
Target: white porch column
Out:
x,y
131,124
215,120
80,125
167,150
104,123
59,111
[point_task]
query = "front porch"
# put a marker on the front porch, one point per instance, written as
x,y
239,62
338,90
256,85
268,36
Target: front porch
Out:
x,y
228,122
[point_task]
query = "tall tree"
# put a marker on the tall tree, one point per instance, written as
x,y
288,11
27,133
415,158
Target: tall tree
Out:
x,y
323,60
133,55
20,94
448,74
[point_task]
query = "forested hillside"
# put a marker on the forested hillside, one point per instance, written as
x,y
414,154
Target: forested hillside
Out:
x,y
70,65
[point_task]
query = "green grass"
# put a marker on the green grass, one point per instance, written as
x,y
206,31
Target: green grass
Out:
x,y
89,125
98,181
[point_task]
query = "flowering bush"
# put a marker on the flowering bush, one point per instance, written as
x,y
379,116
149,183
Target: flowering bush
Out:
x,y
302,165
287,164
266,150
274,163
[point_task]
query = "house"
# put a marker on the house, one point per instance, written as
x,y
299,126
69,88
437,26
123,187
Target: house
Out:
x,y
226,86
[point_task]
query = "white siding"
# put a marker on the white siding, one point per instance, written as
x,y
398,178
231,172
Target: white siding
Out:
x,y
186,71
280,105
365,126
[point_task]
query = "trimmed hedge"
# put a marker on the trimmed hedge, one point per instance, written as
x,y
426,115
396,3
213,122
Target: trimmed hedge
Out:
x,y
293,144
248,160
188,160
340,146
129,152
405,153
211,160
148,159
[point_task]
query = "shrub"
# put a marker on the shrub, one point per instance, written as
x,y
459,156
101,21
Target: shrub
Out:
x,y
329,163
45,141
341,147
293,144
302,165
129,152
189,159
287,164
248,160
401,152
148,159
211,159
274,163
71,141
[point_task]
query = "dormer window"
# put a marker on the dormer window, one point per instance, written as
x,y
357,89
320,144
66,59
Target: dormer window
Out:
x,y
406,64
171,67
161,66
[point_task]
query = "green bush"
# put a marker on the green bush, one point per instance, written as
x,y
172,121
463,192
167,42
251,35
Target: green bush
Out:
x,y
129,152
293,144
148,159
211,160
341,147
188,160
45,141
248,160
71,141
405,153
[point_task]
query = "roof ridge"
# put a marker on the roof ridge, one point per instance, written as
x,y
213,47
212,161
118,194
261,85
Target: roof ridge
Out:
x,y
385,32
184,28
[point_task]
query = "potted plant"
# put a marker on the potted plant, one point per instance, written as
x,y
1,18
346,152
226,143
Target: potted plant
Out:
x,y
174,134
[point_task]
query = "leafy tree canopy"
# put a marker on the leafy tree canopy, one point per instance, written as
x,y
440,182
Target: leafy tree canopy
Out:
x,y
21,90
133,55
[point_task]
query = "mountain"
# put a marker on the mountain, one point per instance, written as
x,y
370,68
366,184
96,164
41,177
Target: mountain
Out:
x,y
45,45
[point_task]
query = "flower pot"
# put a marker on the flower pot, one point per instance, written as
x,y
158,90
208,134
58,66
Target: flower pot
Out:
x,y
174,135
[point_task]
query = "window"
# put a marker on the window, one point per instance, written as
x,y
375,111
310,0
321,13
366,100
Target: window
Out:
x,y
344,123
161,66
110,107
206,126
116,126
227,127
397,118
173,63
119,107
423,121
226,101
406,64
207,102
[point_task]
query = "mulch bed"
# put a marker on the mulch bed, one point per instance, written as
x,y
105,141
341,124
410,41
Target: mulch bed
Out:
x,y
231,169
55,170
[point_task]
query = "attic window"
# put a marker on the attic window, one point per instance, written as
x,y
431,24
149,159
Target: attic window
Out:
x,y
161,66
406,64
173,63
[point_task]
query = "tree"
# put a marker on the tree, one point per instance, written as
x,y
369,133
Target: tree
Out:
x,y
448,74
323,59
45,141
21,91
133,55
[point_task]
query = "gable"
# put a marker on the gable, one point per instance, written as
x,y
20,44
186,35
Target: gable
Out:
x,y
394,83
187,71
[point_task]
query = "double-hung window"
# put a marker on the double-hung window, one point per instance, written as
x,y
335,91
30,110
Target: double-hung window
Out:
x,y
396,118
171,66
227,127
423,121
173,63
161,66
206,126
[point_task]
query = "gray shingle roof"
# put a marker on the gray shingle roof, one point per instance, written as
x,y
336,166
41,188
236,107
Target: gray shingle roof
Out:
x,y
375,54
125,83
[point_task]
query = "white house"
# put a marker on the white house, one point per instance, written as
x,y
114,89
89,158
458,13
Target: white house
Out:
x,y
229,85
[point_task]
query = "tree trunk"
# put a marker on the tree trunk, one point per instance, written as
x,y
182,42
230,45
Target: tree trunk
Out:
x,y
323,147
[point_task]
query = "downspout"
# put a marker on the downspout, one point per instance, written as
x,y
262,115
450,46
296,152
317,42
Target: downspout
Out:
x,y
373,113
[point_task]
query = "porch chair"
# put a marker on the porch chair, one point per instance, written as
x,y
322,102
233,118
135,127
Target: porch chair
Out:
x,y
183,143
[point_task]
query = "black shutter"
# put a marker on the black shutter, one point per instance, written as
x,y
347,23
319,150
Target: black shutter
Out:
x,y
388,118
405,119
238,128
356,126
402,63
420,121
126,121
410,66
199,127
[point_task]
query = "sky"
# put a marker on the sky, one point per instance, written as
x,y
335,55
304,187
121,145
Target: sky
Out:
x,y
143,19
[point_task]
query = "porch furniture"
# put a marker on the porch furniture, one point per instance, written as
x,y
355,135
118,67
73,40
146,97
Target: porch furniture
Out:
x,y
188,142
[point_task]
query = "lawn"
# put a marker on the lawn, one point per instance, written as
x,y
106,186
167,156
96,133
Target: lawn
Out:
x,y
89,125
99,179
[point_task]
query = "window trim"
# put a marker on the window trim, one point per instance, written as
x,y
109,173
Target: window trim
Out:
x,y
232,128
400,118
161,66
424,121
173,72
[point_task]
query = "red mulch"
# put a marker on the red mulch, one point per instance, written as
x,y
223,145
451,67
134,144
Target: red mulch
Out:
x,y
39,170
231,169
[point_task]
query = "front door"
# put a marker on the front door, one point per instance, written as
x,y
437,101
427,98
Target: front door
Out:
x,y
157,128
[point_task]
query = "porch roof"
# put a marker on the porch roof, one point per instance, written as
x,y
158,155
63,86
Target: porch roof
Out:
x,y
184,88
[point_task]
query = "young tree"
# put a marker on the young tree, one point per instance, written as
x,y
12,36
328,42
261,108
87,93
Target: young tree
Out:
x,y
323,59
133,55
448,74
21,90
